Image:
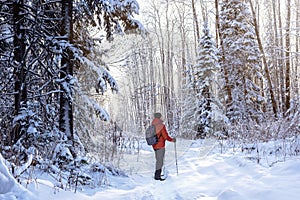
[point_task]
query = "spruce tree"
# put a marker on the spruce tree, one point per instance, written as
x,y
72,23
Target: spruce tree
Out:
x,y
240,61
205,84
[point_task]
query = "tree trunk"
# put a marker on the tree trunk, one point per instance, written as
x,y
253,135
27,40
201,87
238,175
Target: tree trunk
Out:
x,y
66,111
217,24
227,85
297,50
287,56
266,67
281,74
276,58
196,22
19,52
20,85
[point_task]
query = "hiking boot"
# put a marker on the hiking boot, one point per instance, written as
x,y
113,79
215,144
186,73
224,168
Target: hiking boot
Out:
x,y
157,175
159,179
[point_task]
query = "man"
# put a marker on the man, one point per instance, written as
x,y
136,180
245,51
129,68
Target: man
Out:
x,y
159,147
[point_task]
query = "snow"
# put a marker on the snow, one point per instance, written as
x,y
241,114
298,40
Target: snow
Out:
x,y
204,173
9,188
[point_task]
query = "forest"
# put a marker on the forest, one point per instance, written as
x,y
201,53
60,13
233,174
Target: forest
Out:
x,y
81,79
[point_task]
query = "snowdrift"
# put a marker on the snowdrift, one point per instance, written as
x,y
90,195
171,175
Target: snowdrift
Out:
x,y
10,189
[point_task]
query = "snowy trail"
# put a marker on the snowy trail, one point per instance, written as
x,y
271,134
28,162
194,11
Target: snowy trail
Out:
x,y
175,187
202,175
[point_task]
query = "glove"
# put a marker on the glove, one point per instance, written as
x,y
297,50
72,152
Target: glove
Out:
x,y
174,139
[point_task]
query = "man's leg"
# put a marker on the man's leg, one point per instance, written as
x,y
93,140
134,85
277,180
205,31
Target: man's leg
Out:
x,y
159,155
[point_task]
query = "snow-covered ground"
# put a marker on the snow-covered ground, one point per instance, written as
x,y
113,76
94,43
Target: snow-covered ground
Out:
x,y
203,173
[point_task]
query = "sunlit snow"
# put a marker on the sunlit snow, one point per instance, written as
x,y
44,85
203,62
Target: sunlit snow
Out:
x,y
203,173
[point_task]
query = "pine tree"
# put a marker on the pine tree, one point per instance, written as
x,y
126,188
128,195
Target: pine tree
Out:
x,y
205,84
240,61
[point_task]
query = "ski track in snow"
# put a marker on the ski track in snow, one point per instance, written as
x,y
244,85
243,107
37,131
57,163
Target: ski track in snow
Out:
x,y
203,175
175,187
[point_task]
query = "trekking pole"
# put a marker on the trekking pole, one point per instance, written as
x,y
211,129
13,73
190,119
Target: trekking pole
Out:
x,y
176,157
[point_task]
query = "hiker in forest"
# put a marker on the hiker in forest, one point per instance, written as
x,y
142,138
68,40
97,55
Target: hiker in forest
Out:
x,y
159,147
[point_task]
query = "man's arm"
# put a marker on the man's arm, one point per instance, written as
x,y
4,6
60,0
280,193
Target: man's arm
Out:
x,y
166,135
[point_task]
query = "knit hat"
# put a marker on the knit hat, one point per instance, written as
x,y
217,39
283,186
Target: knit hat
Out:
x,y
157,115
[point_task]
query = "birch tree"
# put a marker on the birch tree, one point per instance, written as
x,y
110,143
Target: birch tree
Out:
x,y
288,58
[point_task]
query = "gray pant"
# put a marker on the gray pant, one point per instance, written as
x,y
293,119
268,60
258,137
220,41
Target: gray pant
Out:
x,y
159,155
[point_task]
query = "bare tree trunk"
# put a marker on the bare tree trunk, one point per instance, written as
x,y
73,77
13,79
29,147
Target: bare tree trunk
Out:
x,y
20,70
167,74
66,110
19,54
227,85
217,24
297,61
287,56
195,17
183,42
266,67
276,58
281,59
204,11
169,85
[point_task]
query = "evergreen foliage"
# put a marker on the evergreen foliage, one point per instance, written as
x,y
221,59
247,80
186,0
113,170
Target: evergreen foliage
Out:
x,y
205,71
44,44
241,62
202,114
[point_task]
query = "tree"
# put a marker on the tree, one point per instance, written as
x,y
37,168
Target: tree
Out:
x,y
206,84
108,16
240,57
270,88
188,121
288,59
44,46
20,70
66,70
195,21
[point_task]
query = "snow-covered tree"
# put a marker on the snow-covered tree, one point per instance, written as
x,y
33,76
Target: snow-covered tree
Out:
x,y
189,107
43,46
206,84
240,61
109,15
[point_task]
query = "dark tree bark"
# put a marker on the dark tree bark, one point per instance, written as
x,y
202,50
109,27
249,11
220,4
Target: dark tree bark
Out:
x,y
66,74
19,52
19,64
